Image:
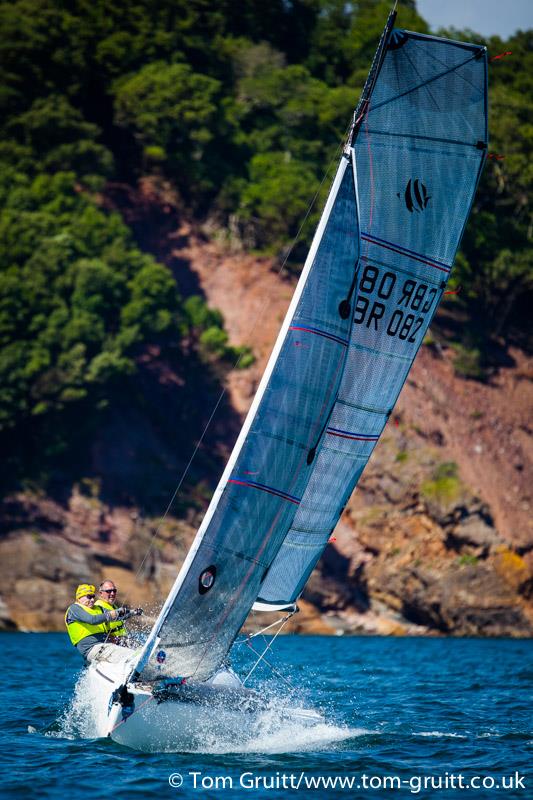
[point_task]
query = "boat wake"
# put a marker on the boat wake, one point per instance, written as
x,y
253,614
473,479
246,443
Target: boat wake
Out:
x,y
280,728
285,739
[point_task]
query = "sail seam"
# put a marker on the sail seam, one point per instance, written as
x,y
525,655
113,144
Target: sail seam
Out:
x,y
371,409
420,76
410,272
268,489
443,63
363,437
242,556
357,456
182,645
403,251
423,138
277,437
319,332
421,85
300,530
383,353
302,546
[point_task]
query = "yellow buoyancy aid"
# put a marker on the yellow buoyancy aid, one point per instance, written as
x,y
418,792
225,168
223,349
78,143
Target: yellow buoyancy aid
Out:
x,y
116,627
79,630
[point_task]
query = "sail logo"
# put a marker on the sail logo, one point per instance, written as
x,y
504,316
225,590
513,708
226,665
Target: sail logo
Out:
x,y
415,195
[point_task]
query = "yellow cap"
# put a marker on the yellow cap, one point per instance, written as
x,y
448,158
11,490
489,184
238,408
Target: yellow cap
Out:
x,y
83,589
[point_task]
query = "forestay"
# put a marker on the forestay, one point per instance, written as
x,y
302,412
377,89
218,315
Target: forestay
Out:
x,y
420,144
263,484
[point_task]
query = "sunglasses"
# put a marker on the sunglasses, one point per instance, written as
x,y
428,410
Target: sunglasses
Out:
x,y
89,596
109,591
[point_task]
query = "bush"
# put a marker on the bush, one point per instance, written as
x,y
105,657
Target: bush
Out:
x,y
69,323
445,486
172,112
467,362
467,560
276,198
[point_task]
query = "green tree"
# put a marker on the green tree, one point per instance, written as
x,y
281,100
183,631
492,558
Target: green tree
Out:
x,y
496,264
59,139
274,202
173,109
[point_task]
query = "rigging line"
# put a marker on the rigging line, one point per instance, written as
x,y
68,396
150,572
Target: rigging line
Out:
x,y
247,638
269,645
258,318
333,159
258,633
183,476
265,640
274,670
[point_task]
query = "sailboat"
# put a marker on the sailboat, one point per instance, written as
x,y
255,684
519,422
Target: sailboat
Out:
x,y
375,273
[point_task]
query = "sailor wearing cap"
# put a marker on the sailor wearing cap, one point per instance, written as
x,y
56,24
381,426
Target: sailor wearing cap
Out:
x,y
87,626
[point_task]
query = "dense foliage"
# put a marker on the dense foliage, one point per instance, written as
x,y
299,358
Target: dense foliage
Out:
x,y
243,113
496,264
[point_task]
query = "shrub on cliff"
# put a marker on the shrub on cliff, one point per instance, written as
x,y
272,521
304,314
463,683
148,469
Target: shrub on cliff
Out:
x,y
79,305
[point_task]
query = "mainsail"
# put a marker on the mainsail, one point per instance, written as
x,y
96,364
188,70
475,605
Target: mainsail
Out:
x,y
262,486
420,141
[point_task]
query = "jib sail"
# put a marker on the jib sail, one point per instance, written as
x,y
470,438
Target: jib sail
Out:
x,y
266,477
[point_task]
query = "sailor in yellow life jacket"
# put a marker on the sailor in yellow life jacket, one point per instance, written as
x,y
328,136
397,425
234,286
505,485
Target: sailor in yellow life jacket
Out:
x,y
106,600
87,626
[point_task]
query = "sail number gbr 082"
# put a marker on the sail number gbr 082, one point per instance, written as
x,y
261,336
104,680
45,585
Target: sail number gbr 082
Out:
x,y
397,304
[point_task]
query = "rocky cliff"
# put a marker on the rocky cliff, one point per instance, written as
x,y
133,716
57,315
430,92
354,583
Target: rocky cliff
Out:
x,y
438,537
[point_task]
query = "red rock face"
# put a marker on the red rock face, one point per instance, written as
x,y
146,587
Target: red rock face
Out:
x,y
425,556
438,537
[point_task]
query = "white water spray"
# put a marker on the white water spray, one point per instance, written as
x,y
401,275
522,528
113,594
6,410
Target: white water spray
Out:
x,y
86,715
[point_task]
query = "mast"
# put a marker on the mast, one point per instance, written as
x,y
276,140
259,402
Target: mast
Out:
x,y
375,68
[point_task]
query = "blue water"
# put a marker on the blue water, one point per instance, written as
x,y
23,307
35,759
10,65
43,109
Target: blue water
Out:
x,y
406,709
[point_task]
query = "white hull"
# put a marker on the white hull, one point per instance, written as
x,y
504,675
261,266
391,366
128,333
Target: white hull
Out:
x,y
191,717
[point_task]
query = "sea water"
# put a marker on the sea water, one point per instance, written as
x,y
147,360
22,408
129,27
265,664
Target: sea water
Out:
x,y
402,718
